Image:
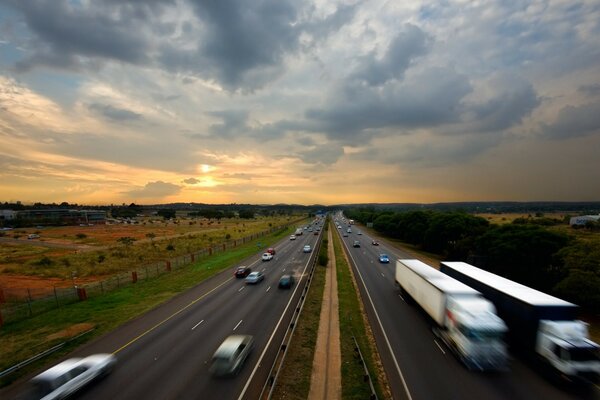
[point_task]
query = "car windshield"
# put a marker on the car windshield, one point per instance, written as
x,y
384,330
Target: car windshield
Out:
x,y
584,354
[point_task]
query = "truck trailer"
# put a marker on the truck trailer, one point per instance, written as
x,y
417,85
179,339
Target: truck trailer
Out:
x,y
463,318
540,326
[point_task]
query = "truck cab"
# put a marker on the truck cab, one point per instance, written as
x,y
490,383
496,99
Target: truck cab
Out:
x,y
566,347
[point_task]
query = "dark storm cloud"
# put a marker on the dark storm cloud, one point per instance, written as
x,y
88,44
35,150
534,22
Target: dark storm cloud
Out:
x,y
513,99
67,36
154,189
590,90
574,121
234,123
403,49
239,44
432,98
114,113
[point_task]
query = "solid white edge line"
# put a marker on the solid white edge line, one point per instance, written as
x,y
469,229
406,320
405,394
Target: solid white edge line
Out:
x,y
439,347
238,324
195,326
242,288
387,341
262,355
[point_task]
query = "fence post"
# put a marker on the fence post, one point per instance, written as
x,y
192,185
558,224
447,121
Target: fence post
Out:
x,y
133,276
224,247
1,322
168,265
81,293
56,297
2,299
29,302
210,251
193,257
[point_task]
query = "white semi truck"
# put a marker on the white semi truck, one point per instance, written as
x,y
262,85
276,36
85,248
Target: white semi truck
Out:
x,y
465,320
540,325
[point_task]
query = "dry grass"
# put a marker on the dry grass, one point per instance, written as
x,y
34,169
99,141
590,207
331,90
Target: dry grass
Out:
x,y
102,254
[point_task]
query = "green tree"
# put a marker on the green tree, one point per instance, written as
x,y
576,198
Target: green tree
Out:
x,y
524,253
126,241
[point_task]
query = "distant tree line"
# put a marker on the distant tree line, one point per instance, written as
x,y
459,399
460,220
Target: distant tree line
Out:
x,y
524,251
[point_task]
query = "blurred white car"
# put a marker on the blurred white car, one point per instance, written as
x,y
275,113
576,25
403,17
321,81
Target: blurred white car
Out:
x,y
292,237
69,376
306,249
255,277
267,256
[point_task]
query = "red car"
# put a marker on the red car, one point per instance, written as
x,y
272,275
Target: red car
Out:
x,y
271,250
242,272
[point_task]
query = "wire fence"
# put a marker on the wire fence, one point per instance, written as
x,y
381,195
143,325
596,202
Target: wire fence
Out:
x,y
21,303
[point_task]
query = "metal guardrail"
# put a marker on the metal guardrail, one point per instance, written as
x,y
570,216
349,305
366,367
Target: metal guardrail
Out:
x,y
287,338
43,354
367,375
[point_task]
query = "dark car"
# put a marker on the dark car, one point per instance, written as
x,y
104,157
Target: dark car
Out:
x,y
271,250
286,282
356,244
242,272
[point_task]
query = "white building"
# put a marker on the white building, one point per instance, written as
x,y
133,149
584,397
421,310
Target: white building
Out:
x,y
8,214
583,219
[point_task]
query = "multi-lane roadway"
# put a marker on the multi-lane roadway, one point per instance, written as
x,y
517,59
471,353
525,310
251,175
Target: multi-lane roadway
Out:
x,y
417,364
166,353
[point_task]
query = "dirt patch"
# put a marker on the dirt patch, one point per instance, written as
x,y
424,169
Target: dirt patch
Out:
x,y
35,282
71,331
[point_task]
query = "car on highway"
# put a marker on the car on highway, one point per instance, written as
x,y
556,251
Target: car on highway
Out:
x,y
267,256
316,233
242,271
384,258
66,378
286,282
349,230
306,249
231,355
345,234
292,237
271,250
359,233
356,243
375,243
255,277
33,236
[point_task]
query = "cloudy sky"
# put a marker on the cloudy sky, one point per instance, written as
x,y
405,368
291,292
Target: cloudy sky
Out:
x,y
288,101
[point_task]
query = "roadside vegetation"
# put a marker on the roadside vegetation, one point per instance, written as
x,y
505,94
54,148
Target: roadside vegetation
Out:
x,y
540,251
26,338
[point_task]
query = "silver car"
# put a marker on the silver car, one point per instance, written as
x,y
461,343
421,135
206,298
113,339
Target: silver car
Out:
x,y
69,376
231,355
255,277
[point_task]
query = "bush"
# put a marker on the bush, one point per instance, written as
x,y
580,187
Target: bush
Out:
x,y
81,236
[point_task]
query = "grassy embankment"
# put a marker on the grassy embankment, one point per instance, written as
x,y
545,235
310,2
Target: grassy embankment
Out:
x,y
23,339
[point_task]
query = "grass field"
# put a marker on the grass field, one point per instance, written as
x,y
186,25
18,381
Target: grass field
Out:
x,y
100,250
21,340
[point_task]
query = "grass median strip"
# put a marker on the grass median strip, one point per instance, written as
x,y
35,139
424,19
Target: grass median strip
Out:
x,y
24,339
293,381
352,323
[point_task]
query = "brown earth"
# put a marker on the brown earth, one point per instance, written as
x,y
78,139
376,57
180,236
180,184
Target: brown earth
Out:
x,y
71,331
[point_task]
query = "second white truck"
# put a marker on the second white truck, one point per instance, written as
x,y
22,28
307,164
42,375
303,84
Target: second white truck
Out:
x,y
465,320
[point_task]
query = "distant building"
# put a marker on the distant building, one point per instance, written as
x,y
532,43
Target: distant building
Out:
x,y
61,216
8,215
584,219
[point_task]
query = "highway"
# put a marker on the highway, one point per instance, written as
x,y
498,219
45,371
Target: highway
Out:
x,y
418,365
166,353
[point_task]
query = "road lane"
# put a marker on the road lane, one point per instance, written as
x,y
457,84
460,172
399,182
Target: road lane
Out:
x,y
429,369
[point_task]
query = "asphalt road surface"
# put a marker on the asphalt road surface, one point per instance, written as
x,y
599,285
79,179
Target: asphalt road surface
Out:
x,y
166,353
418,364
